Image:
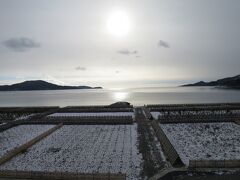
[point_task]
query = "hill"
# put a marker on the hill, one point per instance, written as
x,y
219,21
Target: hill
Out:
x,y
230,82
40,85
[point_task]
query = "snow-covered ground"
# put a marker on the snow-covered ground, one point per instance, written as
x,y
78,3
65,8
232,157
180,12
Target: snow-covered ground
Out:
x,y
16,117
93,114
84,149
204,141
16,136
24,117
155,114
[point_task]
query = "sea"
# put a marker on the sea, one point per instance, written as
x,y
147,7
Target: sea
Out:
x,y
136,96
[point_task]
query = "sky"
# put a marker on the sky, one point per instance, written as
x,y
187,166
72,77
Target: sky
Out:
x,y
124,43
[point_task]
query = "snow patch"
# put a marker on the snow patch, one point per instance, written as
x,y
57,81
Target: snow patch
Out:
x,y
84,149
155,115
204,141
16,136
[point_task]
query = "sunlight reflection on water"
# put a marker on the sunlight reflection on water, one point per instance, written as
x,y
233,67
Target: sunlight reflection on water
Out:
x,y
120,96
137,97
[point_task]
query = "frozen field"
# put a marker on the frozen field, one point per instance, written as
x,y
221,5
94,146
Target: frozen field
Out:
x,y
93,114
19,135
204,141
85,149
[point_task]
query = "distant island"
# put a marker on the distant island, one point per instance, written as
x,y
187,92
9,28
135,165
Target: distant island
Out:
x,y
40,85
229,82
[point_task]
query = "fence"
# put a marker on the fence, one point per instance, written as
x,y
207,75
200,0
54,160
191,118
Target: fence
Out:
x,y
8,125
5,126
39,109
42,115
199,118
147,113
181,109
237,122
28,117
82,120
60,175
167,147
214,164
193,105
25,146
98,109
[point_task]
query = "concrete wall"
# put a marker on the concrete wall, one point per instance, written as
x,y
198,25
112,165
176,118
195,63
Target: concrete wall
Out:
x,y
167,147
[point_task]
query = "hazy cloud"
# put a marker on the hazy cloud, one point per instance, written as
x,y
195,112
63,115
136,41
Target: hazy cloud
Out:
x,y
20,44
127,52
79,68
163,44
117,72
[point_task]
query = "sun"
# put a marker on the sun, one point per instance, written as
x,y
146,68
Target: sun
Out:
x,y
118,23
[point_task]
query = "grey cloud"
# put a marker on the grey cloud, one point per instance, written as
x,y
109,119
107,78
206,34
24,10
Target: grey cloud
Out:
x,y
163,44
20,44
127,52
79,68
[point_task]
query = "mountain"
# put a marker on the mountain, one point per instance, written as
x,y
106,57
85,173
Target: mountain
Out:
x,y
230,82
40,85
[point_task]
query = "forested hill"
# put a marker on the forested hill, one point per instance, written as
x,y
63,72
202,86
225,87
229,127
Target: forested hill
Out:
x,y
40,85
233,82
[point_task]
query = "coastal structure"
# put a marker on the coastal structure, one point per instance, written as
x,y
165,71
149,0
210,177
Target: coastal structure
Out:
x,y
120,141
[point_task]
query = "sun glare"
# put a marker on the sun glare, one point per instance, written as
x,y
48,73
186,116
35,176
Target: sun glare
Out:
x,y
120,96
118,24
